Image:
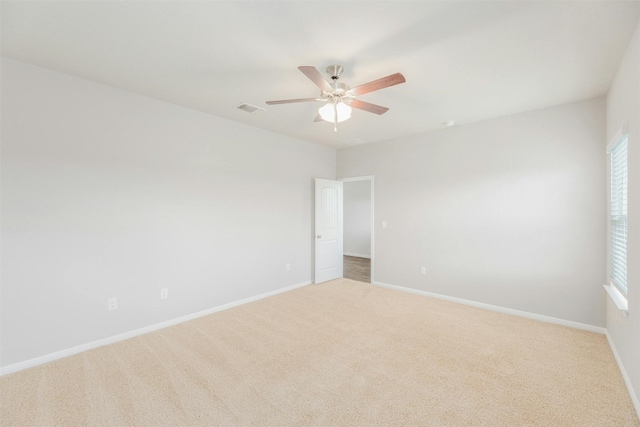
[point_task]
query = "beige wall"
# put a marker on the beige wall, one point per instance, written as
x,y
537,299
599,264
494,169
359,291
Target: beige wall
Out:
x,y
507,212
623,109
357,218
110,194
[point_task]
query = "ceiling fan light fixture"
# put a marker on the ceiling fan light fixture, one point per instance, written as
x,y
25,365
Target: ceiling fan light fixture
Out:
x,y
329,111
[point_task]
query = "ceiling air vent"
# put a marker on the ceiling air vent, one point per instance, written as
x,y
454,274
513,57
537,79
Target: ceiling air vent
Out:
x,y
249,108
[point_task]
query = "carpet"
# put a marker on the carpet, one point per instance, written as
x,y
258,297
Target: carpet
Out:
x,y
341,353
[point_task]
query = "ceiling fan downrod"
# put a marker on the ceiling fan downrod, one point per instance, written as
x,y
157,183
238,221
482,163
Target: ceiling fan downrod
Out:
x,y
335,71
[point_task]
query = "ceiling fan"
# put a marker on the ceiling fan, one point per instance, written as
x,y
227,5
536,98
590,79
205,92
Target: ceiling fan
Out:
x,y
338,97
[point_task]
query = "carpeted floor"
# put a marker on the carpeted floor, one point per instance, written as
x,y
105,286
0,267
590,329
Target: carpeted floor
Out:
x,y
342,353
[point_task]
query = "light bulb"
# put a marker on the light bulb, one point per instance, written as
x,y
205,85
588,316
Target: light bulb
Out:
x,y
328,113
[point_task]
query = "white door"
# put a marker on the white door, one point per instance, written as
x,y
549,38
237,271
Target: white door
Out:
x,y
328,236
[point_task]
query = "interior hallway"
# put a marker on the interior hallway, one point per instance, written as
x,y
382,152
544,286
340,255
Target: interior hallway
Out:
x,y
356,268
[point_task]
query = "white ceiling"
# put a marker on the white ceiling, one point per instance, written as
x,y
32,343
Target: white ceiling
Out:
x,y
465,61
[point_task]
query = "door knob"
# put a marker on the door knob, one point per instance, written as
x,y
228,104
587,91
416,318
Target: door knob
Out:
x,y
319,236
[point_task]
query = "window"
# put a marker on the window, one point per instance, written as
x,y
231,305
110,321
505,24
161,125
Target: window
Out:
x,y
618,204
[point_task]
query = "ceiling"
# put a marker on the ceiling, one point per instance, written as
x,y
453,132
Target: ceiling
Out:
x,y
463,61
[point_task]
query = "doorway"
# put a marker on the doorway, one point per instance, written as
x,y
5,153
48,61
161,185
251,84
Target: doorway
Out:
x,y
358,228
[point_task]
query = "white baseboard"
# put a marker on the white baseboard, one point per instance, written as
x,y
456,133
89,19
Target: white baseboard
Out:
x,y
625,376
5,370
525,314
357,255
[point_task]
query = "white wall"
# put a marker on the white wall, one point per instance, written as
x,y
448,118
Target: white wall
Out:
x,y
357,218
109,194
623,108
507,212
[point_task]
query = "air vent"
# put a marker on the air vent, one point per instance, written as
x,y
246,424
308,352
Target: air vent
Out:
x,y
249,108
355,141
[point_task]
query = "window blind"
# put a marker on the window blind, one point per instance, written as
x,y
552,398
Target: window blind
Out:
x,y
619,214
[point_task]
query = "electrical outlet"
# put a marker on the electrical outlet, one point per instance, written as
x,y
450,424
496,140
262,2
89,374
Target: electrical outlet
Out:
x,y
287,267
384,224
164,293
112,304
423,270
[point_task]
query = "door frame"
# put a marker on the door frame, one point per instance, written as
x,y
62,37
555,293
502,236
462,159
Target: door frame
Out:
x,y
373,220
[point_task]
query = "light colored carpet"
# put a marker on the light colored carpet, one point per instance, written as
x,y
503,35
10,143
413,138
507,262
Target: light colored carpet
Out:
x,y
342,353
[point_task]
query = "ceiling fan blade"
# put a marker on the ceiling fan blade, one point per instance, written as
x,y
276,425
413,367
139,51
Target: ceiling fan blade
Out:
x,y
381,83
318,118
289,101
314,75
367,106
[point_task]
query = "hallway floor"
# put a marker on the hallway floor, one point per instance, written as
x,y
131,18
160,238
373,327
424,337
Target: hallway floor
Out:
x,y
356,268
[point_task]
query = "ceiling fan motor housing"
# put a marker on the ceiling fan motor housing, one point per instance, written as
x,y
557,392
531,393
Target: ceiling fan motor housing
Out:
x,y
339,89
